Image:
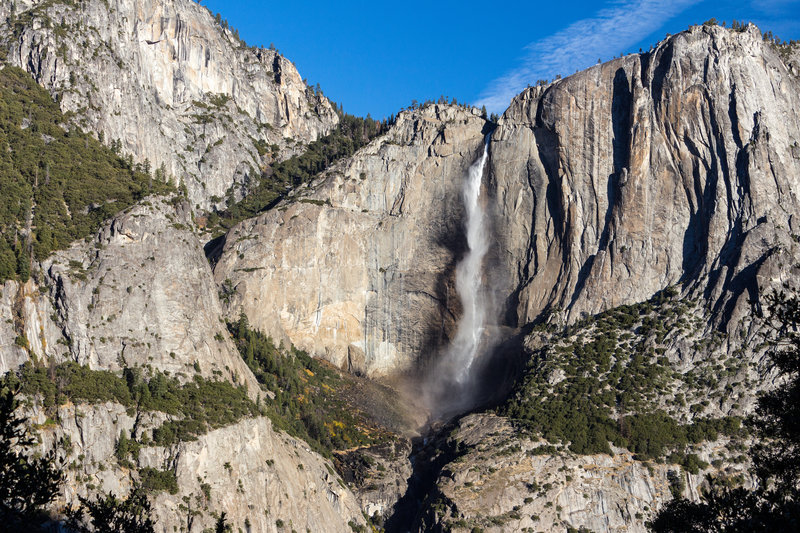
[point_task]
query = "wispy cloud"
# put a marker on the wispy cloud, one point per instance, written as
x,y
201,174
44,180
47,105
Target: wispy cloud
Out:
x,y
609,32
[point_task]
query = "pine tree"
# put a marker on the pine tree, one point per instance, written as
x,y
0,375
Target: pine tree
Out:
x,y
8,261
222,525
109,514
27,484
774,505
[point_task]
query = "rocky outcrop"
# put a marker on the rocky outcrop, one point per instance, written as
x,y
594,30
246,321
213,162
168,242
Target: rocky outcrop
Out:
x,y
140,293
378,475
677,166
259,477
503,481
168,83
357,267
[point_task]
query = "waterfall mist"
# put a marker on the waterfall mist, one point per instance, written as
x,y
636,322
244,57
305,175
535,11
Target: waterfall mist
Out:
x,y
449,386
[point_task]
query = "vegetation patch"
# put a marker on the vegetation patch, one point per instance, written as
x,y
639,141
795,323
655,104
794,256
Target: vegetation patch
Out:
x,y
604,380
158,480
772,504
59,184
349,135
197,407
307,401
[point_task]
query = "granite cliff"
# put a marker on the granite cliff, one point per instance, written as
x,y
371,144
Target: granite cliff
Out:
x,y
355,267
259,476
167,84
677,166
139,293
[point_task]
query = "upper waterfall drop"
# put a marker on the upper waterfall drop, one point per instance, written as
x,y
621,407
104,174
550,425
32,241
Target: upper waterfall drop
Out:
x,y
469,276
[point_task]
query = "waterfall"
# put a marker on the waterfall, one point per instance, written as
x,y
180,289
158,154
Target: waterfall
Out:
x,y
449,387
469,277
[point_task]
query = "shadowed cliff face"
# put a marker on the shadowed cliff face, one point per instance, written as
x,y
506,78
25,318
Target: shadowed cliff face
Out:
x,y
675,166
170,84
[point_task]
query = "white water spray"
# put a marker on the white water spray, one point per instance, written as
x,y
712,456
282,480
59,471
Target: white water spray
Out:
x,y
469,278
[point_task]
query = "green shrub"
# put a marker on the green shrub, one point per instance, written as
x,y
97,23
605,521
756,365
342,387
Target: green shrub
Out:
x,y
125,448
158,480
307,399
349,135
74,181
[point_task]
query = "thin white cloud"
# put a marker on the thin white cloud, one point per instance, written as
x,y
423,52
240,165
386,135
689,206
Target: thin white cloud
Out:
x,y
578,46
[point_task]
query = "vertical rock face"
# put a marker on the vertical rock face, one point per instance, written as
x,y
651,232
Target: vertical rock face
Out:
x,y
357,267
19,316
140,293
170,84
676,166
253,473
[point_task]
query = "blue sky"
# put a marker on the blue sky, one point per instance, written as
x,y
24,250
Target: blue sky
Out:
x,y
376,57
